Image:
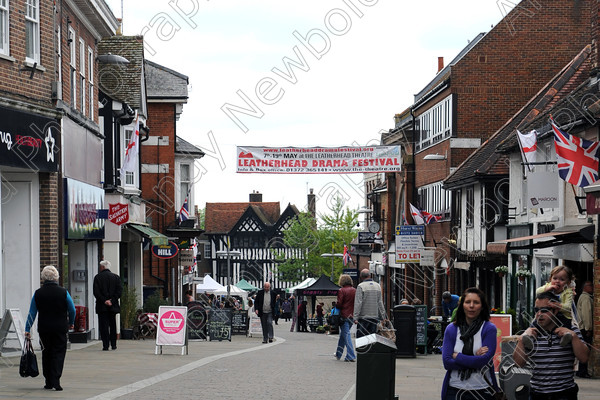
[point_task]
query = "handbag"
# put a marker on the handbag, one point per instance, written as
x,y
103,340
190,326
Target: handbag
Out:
x,y
28,365
386,330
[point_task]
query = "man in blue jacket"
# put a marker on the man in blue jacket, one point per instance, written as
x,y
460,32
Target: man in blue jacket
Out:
x,y
449,303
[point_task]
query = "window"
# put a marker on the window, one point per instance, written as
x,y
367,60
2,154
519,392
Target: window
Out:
x,y
82,75
129,176
470,204
58,54
91,82
207,251
184,181
435,200
32,31
73,67
4,27
435,124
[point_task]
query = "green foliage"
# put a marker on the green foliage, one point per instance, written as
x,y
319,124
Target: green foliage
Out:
x,y
201,217
154,301
129,307
337,229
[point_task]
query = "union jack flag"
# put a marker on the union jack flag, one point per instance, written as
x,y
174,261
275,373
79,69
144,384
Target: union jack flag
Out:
x,y
430,218
184,213
346,257
577,158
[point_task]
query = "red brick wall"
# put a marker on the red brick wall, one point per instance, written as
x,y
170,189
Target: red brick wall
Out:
x,y
49,226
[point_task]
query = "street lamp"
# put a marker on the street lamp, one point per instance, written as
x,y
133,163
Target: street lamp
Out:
x,y
229,253
332,255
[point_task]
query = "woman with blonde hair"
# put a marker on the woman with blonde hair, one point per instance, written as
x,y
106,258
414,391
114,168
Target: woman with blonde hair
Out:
x,y
57,316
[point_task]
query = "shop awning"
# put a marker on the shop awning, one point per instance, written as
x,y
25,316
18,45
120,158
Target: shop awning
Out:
x,y
564,235
158,239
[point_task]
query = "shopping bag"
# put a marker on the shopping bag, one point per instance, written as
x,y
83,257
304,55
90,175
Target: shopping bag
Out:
x,y
386,330
28,365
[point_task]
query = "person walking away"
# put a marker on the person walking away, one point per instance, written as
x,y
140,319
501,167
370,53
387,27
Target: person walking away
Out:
x,y
584,312
277,309
368,305
468,350
264,308
286,307
107,291
552,374
345,305
57,315
449,304
302,316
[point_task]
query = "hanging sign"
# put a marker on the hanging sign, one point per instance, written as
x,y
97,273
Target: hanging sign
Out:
x,y
318,160
409,243
118,213
165,251
186,257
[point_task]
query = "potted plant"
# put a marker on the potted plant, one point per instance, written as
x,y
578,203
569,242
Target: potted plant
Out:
x,y
501,270
523,273
129,309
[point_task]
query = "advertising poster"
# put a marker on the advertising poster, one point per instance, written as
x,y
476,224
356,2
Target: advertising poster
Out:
x,y
171,327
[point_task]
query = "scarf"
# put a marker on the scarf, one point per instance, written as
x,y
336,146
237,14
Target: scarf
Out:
x,y
466,335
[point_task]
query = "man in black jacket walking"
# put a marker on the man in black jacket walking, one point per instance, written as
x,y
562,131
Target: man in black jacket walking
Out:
x,y
264,308
107,291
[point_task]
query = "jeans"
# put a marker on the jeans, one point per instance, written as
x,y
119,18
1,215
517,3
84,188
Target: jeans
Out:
x,y
345,340
366,326
266,322
568,394
460,394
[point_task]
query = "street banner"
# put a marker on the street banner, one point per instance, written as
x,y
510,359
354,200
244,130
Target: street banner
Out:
x,y
318,160
409,243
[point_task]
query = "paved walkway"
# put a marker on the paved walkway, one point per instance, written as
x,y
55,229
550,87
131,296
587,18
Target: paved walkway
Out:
x,y
295,366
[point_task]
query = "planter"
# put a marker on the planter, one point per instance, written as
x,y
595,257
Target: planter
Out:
x,y
501,274
127,333
521,278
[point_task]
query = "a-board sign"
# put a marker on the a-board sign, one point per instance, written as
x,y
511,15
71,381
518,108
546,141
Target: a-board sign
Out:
x,y
170,329
238,322
421,318
503,324
12,318
219,324
196,320
255,326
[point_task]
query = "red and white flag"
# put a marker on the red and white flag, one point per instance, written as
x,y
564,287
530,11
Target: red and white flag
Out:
x,y
130,161
416,215
528,143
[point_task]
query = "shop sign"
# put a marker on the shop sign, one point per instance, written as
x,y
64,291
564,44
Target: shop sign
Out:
x,y
118,213
82,202
29,141
165,251
409,243
186,257
542,190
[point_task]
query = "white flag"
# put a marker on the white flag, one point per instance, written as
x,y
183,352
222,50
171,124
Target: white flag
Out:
x,y
130,161
528,143
416,214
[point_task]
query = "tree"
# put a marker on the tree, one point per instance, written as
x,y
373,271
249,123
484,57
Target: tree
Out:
x,y
336,229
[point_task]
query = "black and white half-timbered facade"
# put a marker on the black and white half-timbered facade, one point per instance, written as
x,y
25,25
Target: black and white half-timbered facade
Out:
x,y
254,232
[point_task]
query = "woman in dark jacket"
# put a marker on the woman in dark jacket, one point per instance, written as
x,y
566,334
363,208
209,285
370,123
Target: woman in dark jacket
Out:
x,y
57,316
302,317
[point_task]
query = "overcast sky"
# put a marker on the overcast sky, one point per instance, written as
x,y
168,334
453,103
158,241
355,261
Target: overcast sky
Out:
x,y
379,54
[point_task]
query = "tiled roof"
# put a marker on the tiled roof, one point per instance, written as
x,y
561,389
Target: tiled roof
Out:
x,y
183,147
123,82
221,217
164,83
487,161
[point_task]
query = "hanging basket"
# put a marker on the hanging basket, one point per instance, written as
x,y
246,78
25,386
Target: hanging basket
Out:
x,y
521,278
501,274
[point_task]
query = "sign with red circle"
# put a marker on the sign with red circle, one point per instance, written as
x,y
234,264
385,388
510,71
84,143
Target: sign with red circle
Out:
x,y
172,322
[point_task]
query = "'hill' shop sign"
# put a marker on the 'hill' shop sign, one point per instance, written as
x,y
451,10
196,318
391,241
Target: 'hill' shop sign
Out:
x,y
165,251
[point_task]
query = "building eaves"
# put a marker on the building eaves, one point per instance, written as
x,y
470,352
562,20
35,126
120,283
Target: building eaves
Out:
x,y
487,161
183,147
100,19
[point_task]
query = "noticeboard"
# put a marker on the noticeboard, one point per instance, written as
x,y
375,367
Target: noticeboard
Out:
x,y
239,321
219,324
196,320
171,326
421,319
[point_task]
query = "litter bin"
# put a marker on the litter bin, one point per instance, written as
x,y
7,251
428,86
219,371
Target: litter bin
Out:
x,y
405,323
376,368
514,381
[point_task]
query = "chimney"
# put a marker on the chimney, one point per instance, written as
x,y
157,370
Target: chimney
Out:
x,y
255,197
312,204
440,64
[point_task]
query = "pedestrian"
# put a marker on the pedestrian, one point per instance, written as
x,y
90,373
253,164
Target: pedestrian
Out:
x,y
468,350
57,315
368,305
552,374
584,312
320,313
107,291
345,305
277,309
264,308
302,316
449,303
286,307
189,297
